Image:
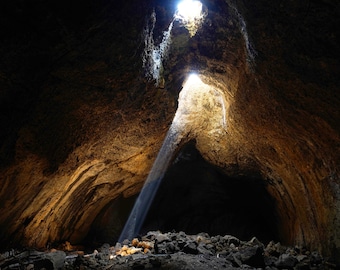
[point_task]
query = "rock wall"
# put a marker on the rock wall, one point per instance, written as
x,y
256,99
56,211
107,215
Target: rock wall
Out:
x,y
82,125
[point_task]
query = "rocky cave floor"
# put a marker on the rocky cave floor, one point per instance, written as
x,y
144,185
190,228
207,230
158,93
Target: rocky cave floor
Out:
x,y
171,250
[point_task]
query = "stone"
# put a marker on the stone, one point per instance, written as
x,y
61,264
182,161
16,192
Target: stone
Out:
x,y
193,256
286,261
160,238
255,241
270,260
235,259
202,249
56,258
160,248
231,240
301,258
252,256
172,247
315,258
155,262
190,248
273,249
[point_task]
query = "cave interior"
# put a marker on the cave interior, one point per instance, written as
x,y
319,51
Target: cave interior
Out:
x,y
90,89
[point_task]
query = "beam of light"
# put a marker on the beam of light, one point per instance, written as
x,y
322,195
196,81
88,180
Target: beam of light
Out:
x,y
151,185
200,107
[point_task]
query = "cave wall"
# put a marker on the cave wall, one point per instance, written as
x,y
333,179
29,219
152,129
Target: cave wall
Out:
x,y
303,130
82,125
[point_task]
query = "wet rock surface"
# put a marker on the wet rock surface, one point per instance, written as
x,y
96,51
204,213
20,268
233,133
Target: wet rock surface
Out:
x,y
172,250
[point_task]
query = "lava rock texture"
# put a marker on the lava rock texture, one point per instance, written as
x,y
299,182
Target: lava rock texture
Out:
x,y
158,250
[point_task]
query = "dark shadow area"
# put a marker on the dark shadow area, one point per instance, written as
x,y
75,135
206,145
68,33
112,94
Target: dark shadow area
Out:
x,y
109,223
196,197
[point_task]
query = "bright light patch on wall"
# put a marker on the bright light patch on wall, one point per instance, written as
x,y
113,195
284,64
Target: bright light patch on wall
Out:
x,y
190,14
200,106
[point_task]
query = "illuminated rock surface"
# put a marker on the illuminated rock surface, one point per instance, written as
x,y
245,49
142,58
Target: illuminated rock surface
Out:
x,y
81,125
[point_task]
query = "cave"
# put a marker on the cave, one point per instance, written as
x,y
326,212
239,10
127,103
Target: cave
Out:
x,y
90,92
196,197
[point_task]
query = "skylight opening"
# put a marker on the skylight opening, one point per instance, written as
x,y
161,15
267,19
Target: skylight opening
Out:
x,y
193,79
189,10
190,14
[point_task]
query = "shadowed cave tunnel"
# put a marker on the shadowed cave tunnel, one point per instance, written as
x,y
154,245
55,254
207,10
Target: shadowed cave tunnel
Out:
x,y
196,197
82,120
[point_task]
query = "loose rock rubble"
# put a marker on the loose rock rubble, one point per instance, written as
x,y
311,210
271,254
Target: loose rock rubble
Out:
x,y
171,250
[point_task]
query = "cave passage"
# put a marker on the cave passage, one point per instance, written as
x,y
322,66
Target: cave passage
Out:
x,y
195,197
